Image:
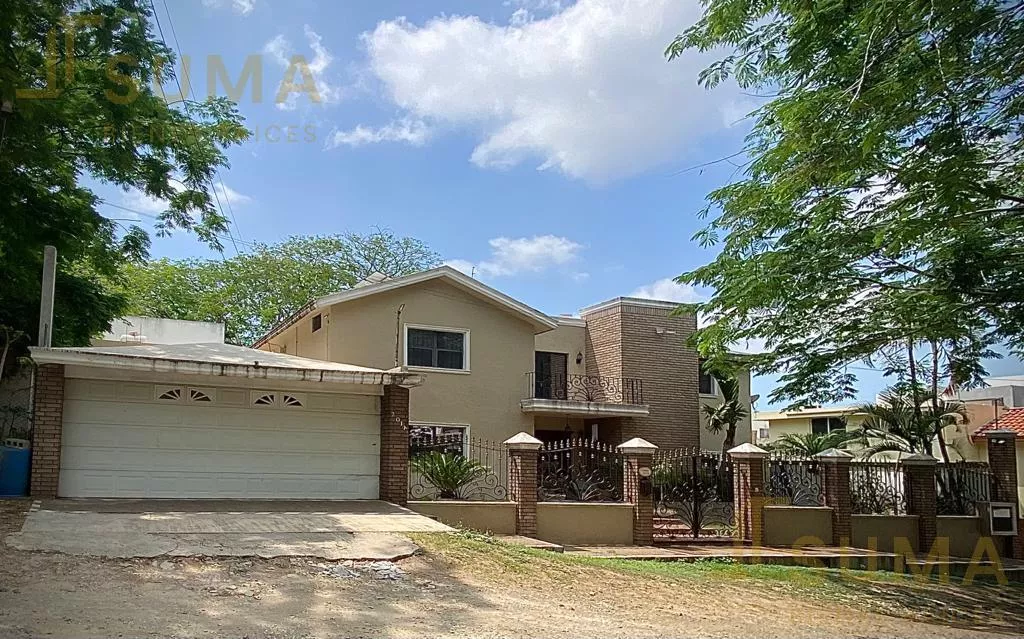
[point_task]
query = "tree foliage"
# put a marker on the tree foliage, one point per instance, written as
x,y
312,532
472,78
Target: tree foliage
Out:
x,y
77,106
725,416
883,197
907,421
811,444
253,291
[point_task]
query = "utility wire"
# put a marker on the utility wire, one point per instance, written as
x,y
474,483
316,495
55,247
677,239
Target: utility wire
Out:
x,y
191,95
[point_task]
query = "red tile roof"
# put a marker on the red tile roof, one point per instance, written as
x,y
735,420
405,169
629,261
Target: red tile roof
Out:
x,y
1012,419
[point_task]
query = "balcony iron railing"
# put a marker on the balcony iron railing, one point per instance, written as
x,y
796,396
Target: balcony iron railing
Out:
x,y
586,388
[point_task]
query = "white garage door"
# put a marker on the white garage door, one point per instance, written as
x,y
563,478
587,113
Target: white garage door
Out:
x,y
151,440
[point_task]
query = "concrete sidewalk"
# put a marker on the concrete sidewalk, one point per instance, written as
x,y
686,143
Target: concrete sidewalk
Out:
x,y
357,530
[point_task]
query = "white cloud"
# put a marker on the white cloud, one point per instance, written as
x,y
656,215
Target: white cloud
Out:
x,y
414,132
585,91
521,255
281,51
242,7
668,290
150,205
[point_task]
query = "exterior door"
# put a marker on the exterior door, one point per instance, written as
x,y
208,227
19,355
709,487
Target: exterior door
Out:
x,y
550,375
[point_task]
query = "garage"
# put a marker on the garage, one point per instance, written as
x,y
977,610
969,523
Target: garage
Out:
x,y
277,427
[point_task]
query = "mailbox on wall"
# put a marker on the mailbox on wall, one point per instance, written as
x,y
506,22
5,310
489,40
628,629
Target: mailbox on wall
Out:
x,y
1000,518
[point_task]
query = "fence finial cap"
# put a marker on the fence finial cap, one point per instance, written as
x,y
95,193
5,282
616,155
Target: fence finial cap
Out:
x,y
523,441
636,446
918,458
747,450
833,454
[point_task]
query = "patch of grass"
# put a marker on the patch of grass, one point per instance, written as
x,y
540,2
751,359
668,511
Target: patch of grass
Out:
x,y
983,606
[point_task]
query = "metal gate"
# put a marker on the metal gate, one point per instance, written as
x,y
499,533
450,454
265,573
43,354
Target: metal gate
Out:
x,y
693,495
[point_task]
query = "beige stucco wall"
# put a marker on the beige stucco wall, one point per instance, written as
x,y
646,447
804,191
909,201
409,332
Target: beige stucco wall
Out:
x,y
497,517
592,524
570,340
963,534
799,526
710,441
501,347
299,339
884,529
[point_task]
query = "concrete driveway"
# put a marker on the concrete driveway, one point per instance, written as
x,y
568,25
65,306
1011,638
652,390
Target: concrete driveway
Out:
x,y
124,528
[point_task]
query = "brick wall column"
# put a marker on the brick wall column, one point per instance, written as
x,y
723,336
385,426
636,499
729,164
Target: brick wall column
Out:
x,y
748,492
1002,461
638,462
48,424
394,445
919,486
523,450
835,480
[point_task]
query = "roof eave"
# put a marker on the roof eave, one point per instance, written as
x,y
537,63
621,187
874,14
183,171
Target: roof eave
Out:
x,y
216,369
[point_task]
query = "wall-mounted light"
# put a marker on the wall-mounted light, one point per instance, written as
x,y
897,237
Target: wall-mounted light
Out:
x,y
579,358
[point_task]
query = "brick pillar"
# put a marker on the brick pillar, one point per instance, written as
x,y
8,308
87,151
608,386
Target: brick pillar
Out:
x,y
523,450
48,424
748,492
919,486
394,445
1002,461
638,461
835,483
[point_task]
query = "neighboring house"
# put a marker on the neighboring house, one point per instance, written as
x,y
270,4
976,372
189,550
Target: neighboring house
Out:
x,y
134,329
1011,420
496,367
821,420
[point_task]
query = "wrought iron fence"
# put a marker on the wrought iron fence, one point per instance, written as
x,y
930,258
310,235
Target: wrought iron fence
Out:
x,y
586,388
693,494
877,488
579,470
959,486
491,484
794,480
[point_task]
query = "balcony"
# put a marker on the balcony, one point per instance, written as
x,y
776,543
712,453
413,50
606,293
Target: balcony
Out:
x,y
584,396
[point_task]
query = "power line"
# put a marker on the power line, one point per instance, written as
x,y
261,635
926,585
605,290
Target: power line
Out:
x,y
157,218
191,95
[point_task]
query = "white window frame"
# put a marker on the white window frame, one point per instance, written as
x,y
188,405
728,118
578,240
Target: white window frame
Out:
x,y
465,370
465,428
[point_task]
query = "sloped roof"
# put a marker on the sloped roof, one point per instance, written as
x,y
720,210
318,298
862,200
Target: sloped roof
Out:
x,y
220,359
1012,419
540,321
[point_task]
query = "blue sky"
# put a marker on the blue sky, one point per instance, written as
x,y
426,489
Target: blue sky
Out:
x,y
543,145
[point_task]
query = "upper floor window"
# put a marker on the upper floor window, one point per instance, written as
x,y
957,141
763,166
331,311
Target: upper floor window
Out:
x,y
825,425
318,321
705,381
437,348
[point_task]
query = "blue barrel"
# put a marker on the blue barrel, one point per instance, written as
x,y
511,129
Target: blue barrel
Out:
x,y
14,471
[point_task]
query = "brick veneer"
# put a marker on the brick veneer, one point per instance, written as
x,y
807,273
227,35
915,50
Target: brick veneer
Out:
x,y
1002,461
394,445
48,424
748,496
522,488
836,488
636,490
634,340
919,483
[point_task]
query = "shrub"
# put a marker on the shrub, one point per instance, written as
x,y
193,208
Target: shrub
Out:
x,y
446,472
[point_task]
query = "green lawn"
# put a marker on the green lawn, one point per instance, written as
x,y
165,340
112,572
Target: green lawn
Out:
x,y
980,605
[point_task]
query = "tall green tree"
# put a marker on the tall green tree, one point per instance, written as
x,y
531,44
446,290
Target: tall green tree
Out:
x,y
253,291
77,106
882,203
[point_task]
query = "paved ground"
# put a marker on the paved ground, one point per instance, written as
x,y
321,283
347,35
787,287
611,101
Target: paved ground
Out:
x,y
370,530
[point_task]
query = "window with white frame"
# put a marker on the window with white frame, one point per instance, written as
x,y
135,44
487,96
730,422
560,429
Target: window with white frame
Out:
x,y
451,438
431,347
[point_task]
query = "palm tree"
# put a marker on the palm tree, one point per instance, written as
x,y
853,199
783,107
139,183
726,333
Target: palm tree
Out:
x,y
810,444
726,416
894,424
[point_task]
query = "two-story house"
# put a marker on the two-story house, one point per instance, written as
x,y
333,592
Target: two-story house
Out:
x,y
495,366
